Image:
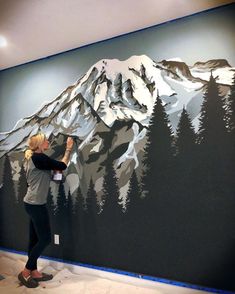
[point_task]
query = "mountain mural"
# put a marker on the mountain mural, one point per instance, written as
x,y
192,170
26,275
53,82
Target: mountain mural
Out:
x,y
108,111
150,184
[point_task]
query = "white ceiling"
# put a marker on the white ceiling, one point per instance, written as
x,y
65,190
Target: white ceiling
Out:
x,y
40,28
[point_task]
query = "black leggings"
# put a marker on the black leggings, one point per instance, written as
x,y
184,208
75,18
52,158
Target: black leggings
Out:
x,y
39,233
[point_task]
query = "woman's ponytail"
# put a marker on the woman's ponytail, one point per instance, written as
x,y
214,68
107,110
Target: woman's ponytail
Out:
x,y
28,154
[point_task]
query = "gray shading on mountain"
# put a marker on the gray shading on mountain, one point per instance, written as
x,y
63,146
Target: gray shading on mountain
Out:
x,y
211,64
178,70
108,110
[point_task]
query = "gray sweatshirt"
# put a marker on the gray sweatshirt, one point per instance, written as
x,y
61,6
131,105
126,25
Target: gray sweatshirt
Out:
x,y
38,175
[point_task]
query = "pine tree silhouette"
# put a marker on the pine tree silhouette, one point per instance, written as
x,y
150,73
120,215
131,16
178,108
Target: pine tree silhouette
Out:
x,y
212,128
185,172
158,150
134,223
185,136
91,200
21,219
61,202
78,223
135,214
79,204
134,197
69,203
90,226
8,208
111,217
111,207
68,235
158,184
22,186
51,205
60,220
213,140
185,145
231,126
231,136
231,109
51,250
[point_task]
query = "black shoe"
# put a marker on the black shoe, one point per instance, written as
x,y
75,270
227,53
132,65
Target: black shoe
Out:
x,y
45,277
28,282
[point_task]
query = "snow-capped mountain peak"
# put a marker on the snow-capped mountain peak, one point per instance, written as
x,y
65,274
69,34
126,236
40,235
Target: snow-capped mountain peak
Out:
x,y
114,90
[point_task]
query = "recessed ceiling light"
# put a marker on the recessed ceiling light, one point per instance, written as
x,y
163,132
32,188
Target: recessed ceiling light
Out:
x,y
3,41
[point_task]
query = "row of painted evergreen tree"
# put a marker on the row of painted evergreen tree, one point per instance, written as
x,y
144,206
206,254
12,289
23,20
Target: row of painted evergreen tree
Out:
x,y
184,222
179,221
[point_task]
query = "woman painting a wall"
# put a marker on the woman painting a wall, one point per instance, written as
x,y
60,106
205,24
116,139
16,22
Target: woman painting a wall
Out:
x,y
38,174
149,187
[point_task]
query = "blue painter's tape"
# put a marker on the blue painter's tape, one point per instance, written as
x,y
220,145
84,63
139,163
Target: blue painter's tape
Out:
x,y
120,272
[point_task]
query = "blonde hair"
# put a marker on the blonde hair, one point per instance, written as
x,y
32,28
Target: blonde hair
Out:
x,y
34,142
